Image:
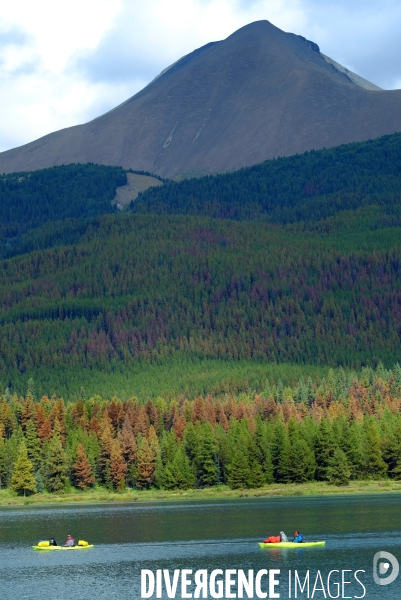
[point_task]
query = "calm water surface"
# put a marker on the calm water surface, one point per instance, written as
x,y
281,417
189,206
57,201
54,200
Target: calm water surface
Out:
x,y
193,535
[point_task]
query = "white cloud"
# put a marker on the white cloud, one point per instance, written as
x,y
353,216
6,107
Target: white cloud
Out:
x,y
64,63
38,92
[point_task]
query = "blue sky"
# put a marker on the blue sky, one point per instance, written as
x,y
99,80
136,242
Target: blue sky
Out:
x,y
62,63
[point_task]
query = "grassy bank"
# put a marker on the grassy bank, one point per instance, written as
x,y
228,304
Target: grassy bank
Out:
x,y
99,495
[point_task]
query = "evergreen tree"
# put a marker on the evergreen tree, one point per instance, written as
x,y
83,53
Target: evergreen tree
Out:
x,y
128,445
350,443
339,471
31,389
178,472
3,464
311,391
302,462
191,442
158,475
22,480
302,392
279,437
82,469
332,383
279,392
397,377
261,440
341,383
205,458
39,482
32,444
284,471
118,467
256,477
168,446
374,465
12,450
392,449
106,442
56,466
239,472
324,448
268,468
145,465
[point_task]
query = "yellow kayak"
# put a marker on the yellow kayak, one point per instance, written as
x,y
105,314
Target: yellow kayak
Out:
x,y
291,544
47,548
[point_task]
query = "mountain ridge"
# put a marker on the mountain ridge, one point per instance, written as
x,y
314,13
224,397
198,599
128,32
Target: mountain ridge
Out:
x,y
259,94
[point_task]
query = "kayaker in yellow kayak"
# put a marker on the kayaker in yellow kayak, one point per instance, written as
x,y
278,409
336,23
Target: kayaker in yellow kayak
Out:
x,y
70,541
298,537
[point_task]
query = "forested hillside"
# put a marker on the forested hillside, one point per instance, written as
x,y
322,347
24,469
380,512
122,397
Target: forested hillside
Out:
x,y
146,288
31,200
307,187
304,270
346,427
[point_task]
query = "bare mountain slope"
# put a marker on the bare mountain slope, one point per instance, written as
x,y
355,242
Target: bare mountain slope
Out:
x,y
259,94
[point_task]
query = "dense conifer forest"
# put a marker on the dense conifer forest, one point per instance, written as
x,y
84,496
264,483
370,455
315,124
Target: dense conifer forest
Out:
x,y
307,187
30,200
143,289
346,427
304,272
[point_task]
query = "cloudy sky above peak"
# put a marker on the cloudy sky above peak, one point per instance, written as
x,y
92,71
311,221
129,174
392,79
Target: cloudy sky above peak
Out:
x,y
62,63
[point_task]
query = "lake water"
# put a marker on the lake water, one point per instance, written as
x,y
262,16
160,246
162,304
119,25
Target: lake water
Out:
x,y
196,535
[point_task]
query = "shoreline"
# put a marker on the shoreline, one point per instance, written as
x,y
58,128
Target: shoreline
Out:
x,y
223,492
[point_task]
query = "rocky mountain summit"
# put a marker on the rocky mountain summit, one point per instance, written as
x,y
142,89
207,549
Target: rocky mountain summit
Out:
x,y
259,94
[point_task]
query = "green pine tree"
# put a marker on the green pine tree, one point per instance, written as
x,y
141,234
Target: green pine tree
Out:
x,y
40,487
302,462
31,389
392,449
56,466
279,437
397,376
205,458
22,479
325,445
268,468
339,471
239,470
256,477
32,444
284,466
3,464
178,472
374,465
350,443
168,446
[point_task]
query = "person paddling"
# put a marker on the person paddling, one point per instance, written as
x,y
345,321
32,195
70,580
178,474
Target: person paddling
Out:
x,y
70,541
298,537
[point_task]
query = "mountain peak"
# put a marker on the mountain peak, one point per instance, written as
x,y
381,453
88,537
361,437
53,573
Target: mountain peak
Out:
x,y
258,94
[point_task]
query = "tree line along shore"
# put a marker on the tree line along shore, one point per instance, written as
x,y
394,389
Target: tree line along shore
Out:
x,y
338,431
